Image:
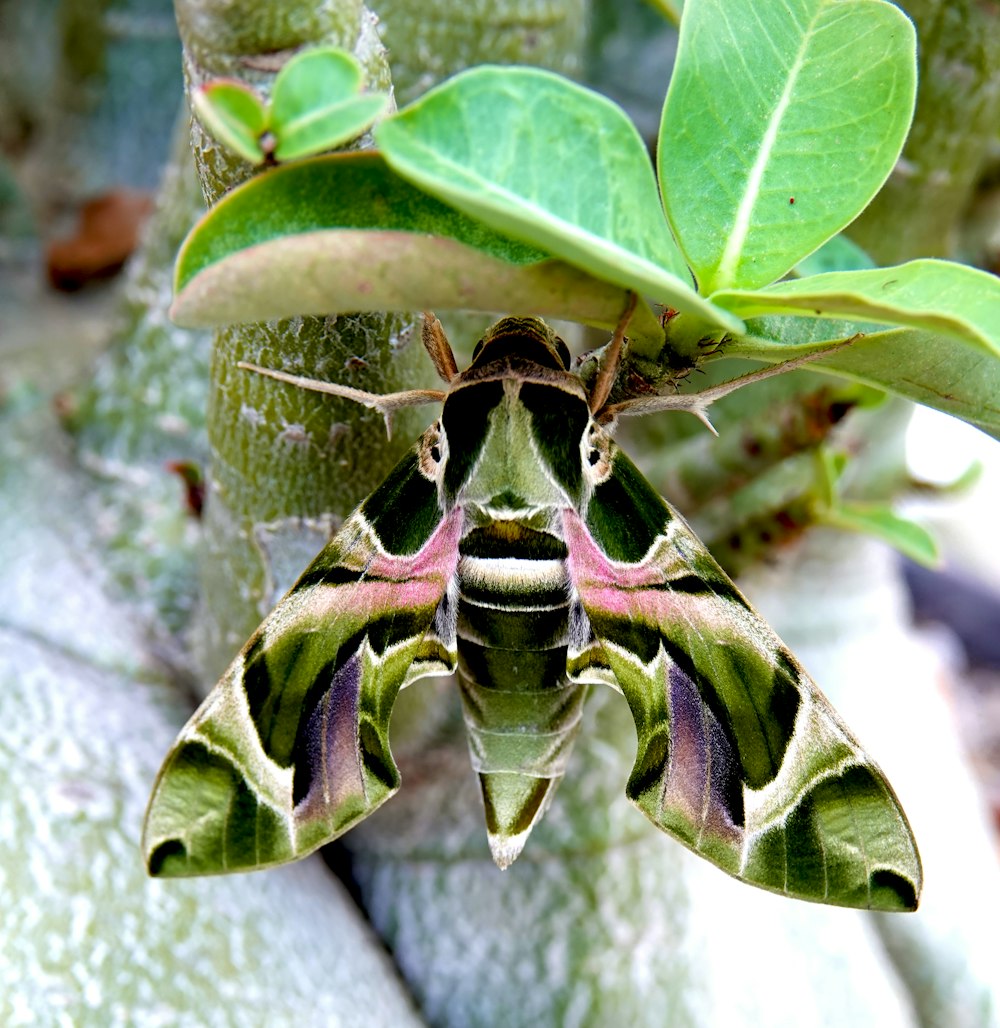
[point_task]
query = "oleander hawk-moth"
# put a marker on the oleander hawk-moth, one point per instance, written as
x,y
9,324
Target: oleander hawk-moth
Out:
x,y
516,544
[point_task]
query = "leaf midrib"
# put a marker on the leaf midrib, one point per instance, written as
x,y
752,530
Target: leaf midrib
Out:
x,y
725,271
319,114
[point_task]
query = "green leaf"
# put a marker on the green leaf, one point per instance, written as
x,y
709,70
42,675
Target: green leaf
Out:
x,y
936,295
541,159
315,104
939,371
344,233
911,539
836,254
781,122
233,114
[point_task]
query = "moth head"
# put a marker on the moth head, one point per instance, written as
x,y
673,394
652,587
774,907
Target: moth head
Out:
x,y
528,338
514,422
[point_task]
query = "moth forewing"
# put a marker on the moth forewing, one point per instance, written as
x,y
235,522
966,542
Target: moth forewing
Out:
x,y
291,748
518,544
740,756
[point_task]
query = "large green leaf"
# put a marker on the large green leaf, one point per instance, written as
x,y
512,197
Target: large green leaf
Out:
x,y
541,159
940,371
936,295
344,233
781,122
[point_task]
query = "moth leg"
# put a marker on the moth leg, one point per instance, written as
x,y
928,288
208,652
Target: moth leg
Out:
x,y
438,348
385,403
612,358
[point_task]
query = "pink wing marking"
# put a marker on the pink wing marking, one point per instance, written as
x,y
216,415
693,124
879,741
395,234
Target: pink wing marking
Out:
x,y
625,590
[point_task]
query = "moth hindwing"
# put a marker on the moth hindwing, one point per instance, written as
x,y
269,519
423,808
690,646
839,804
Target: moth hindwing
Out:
x,y
519,546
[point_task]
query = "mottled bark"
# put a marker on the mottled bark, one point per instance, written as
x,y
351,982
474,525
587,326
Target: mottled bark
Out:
x,y
286,464
919,210
430,41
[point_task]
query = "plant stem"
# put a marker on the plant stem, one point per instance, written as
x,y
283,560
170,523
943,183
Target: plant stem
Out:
x,y
287,465
918,211
431,40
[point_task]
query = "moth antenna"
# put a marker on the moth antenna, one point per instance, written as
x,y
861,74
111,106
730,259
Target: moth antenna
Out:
x,y
385,403
612,358
702,415
438,348
698,403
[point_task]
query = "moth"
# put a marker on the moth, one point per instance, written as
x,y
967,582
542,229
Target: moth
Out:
x,y
517,545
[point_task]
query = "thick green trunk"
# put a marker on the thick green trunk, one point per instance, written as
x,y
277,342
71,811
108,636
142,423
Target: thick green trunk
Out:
x,y
918,212
287,465
431,40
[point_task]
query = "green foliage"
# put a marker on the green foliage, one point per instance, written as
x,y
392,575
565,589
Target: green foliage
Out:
x,y
940,371
769,145
883,523
301,240
874,519
836,254
950,299
235,115
315,105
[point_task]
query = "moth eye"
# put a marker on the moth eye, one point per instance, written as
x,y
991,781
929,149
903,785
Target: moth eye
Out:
x,y
595,450
433,452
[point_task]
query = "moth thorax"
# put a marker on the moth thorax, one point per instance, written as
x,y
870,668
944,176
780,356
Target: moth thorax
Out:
x,y
510,470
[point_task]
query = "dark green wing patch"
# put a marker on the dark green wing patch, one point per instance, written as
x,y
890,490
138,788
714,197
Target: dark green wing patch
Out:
x,y
625,515
404,510
559,420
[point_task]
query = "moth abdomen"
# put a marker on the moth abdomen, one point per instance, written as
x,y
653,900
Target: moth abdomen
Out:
x,y
521,712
